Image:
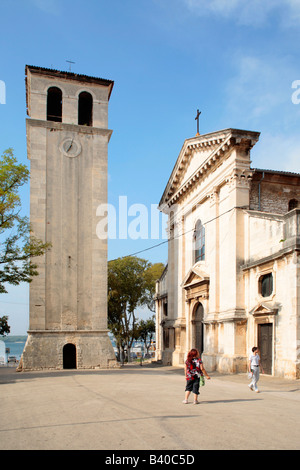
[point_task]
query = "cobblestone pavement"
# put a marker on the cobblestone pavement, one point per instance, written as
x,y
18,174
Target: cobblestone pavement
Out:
x,y
140,408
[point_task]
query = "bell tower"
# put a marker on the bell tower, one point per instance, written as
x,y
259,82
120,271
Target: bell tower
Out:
x,y
67,140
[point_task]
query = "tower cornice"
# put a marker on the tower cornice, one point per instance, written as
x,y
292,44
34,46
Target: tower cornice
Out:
x,y
68,127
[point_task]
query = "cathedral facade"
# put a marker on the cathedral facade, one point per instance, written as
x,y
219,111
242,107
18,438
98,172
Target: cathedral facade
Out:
x,y
232,280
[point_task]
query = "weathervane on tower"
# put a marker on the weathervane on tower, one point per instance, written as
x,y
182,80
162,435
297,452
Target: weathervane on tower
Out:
x,y
70,62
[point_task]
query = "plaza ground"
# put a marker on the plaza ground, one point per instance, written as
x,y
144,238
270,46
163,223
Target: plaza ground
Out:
x,y
140,408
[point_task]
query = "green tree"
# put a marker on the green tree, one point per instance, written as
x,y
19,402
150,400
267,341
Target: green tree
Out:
x,y
146,330
131,284
152,274
4,328
18,246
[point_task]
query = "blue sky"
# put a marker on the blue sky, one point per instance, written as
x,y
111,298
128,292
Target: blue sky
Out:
x,y
235,60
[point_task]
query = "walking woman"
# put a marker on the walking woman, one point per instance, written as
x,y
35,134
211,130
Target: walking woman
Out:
x,y
193,369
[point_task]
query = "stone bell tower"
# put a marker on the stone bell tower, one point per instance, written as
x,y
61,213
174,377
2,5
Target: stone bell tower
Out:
x,y
67,140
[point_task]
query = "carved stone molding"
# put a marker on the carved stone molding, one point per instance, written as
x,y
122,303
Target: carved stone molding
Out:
x,y
239,178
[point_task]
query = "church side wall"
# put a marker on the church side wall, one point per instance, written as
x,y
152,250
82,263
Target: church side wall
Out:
x,y
280,309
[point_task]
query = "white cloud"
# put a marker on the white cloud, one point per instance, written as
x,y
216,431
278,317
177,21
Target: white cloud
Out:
x,y
277,152
221,7
48,6
293,19
245,12
259,97
260,86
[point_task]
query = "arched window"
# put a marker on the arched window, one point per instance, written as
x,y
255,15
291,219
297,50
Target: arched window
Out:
x,y
54,104
293,204
85,109
199,242
266,285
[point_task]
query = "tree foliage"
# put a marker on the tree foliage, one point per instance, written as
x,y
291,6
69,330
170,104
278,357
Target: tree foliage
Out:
x,y
146,330
131,284
18,246
4,327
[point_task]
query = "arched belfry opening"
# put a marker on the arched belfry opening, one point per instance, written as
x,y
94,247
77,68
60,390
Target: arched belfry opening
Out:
x,y
54,104
69,356
85,109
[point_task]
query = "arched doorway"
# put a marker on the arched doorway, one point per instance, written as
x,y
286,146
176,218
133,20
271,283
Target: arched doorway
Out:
x,y
69,356
198,338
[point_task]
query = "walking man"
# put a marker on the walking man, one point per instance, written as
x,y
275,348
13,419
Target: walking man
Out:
x,y
254,365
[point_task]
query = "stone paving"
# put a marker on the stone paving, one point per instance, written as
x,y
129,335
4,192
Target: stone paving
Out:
x,y
140,408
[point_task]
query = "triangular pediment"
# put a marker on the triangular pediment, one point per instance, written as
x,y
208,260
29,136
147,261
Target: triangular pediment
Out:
x,y
195,276
265,308
200,155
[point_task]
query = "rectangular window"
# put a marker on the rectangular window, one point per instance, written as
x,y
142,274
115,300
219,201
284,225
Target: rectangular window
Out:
x,y
166,338
165,308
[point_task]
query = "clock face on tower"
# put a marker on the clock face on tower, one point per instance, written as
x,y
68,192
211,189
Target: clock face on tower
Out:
x,y
70,147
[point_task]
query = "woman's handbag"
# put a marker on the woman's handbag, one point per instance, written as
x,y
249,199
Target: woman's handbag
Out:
x,y
202,381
